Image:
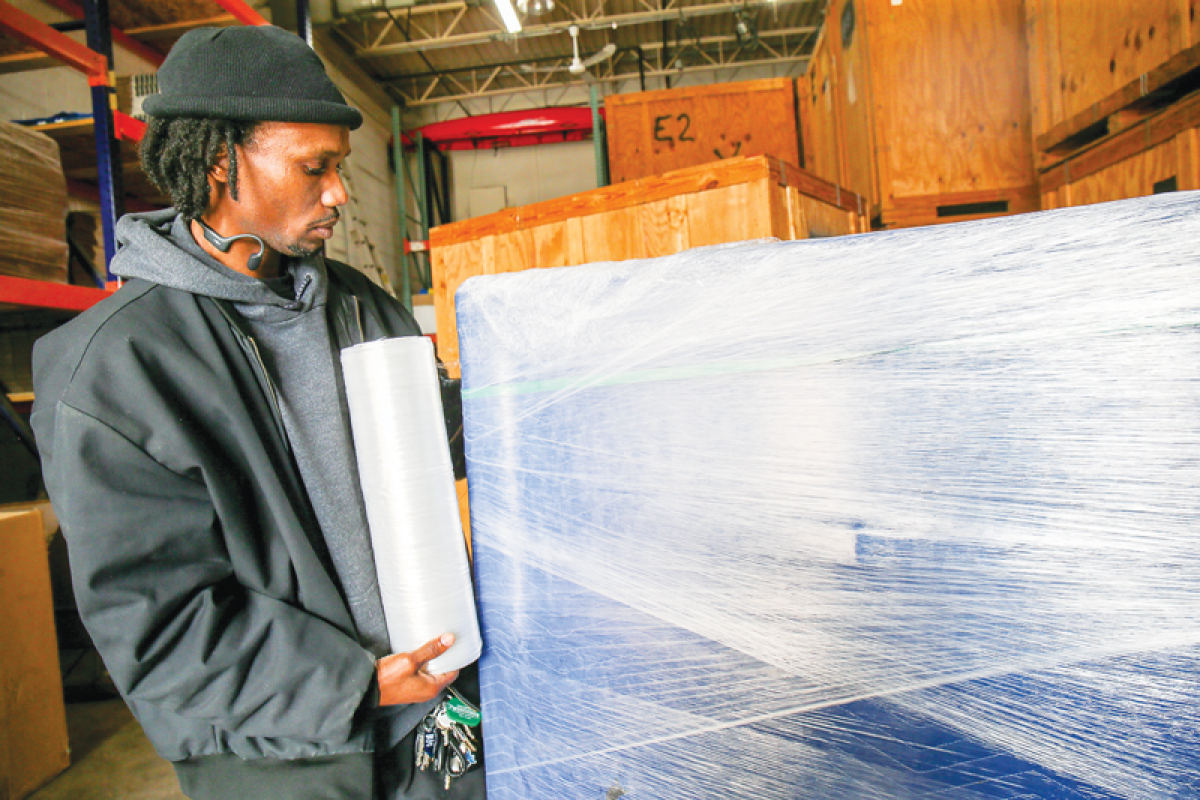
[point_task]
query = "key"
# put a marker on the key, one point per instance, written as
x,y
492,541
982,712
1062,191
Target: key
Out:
x,y
443,751
429,749
464,741
419,750
427,742
456,767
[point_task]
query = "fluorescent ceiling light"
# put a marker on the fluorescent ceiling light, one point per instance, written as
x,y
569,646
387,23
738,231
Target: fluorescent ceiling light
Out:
x,y
509,15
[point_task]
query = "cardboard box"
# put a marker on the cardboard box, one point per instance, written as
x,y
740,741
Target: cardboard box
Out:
x,y
33,736
33,205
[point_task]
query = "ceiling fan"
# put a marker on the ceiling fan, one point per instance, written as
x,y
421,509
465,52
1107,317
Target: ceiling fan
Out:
x,y
578,65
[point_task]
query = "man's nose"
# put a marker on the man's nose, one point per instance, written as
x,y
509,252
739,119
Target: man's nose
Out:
x,y
334,193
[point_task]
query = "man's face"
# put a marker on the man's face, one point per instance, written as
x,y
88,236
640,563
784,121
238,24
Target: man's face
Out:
x,y
289,186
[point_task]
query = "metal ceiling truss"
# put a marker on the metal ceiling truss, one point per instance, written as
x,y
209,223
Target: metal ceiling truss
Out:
x,y
436,26
791,46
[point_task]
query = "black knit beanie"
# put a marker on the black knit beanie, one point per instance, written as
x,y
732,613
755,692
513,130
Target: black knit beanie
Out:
x,y
249,73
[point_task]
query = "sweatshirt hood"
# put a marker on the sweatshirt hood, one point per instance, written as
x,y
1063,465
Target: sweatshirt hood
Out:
x,y
158,246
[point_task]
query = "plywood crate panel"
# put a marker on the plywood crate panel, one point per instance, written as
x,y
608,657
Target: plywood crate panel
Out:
x,y
928,102
652,133
1082,51
1173,165
1122,127
819,137
728,201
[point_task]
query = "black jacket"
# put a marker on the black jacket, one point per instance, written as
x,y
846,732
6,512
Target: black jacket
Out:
x,y
189,529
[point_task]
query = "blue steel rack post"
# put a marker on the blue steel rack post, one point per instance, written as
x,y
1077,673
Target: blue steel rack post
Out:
x,y
108,146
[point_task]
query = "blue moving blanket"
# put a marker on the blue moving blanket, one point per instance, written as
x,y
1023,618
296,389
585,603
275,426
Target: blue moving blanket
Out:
x,y
912,514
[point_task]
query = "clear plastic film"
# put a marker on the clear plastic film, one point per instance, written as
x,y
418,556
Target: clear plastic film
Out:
x,y
408,486
907,514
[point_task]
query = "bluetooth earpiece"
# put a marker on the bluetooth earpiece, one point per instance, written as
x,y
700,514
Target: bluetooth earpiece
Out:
x,y
223,243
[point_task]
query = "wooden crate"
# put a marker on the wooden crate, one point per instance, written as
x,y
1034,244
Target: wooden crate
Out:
x,y
1161,153
728,201
923,105
820,138
652,133
1083,51
1113,102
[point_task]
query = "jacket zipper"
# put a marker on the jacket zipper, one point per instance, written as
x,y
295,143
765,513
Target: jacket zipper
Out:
x,y
362,336
266,377
250,347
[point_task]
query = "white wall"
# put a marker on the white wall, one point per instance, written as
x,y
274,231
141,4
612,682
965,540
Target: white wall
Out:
x,y
368,234
529,174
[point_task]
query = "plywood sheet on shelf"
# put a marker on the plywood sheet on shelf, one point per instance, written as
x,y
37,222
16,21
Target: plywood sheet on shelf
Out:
x,y
33,206
77,143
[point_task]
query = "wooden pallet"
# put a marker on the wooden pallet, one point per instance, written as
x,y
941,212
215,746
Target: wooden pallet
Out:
x,y
911,212
1124,109
1125,143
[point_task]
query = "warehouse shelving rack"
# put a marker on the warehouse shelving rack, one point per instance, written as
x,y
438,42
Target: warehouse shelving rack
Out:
x,y
110,126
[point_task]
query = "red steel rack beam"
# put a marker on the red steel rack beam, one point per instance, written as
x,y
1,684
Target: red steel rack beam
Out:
x,y
143,51
70,52
127,127
45,294
242,12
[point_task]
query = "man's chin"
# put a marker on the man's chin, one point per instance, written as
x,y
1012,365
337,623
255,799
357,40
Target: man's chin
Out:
x,y
301,250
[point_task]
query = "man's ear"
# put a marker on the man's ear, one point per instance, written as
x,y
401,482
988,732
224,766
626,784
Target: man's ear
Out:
x,y
218,180
219,171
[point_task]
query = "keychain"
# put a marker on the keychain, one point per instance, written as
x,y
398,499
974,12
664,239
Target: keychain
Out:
x,y
445,741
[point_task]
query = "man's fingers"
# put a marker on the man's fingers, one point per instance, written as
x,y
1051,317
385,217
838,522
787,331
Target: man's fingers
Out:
x,y
431,650
444,679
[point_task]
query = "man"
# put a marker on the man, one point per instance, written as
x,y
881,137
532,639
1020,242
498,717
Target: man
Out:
x,y
196,447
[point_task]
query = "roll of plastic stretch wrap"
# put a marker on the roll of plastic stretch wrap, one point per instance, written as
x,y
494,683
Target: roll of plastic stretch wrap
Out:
x,y
408,487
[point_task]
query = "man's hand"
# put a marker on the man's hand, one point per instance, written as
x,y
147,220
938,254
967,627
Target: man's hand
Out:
x,y
403,679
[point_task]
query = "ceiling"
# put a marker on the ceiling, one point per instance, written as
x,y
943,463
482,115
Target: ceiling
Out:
x,y
437,52
445,53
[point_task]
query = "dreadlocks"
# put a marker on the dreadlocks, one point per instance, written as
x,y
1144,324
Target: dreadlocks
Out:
x,y
177,154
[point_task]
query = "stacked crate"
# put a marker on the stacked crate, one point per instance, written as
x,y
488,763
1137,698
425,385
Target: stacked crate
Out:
x,y
923,106
727,201
1114,111
652,133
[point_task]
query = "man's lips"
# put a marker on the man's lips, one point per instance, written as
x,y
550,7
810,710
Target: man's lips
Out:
x,y
324,228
